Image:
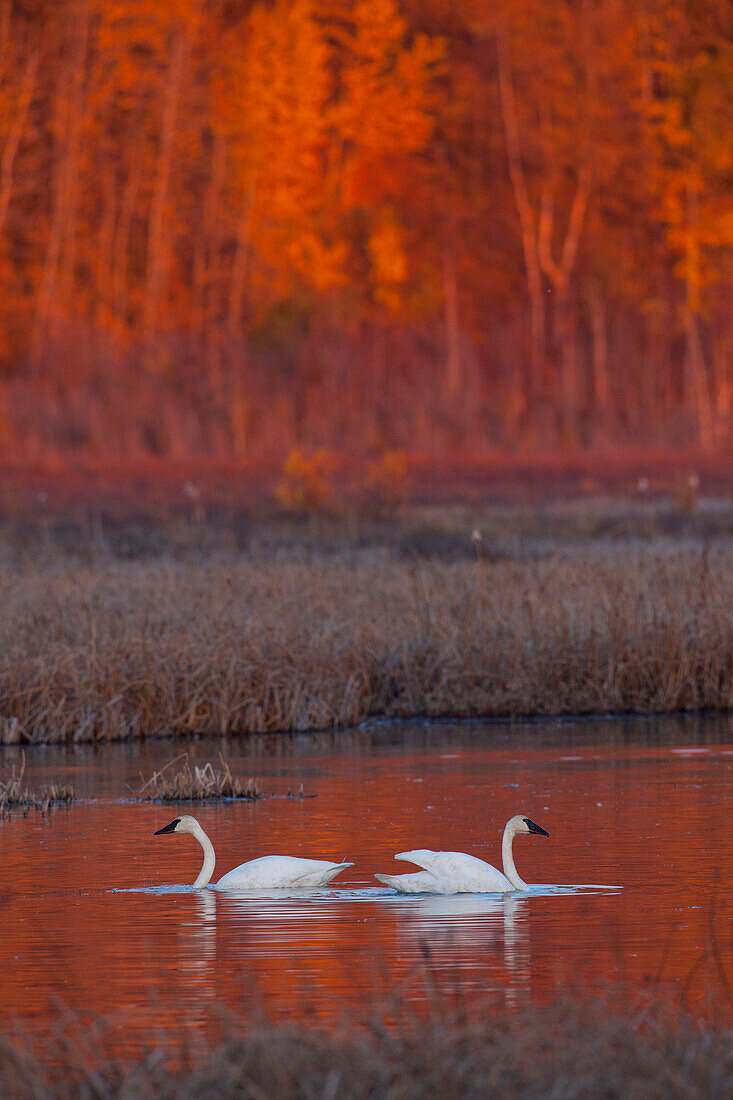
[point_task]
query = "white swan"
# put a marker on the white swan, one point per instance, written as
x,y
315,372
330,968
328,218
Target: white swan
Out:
x,y
265,873
458,873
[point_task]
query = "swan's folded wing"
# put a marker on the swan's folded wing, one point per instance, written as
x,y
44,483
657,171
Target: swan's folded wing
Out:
x,y
429,861
319,872
464,872
419,882
422,857
278,872
443,863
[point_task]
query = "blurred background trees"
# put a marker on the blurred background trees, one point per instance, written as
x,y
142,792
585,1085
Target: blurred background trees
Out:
x,y
232,228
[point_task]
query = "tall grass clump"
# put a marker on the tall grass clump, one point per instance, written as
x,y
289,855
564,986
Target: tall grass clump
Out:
x,y
197,783
115,649
14,795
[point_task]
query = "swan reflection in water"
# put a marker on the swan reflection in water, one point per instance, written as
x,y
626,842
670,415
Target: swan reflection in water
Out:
x,y
196,948
469,931
371,930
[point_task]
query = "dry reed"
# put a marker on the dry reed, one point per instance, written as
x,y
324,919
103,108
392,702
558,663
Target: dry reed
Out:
x,y
14,796
578,1049
197,783
114,649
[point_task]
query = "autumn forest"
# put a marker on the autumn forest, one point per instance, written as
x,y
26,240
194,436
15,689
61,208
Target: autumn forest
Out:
x,y
231,228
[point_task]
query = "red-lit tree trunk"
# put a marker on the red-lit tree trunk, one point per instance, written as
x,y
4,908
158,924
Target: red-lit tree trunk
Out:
x,y
559,274
12,141
722,383
453,366
120,249
58,268
697,387
600,384
535,374
239,267
159,244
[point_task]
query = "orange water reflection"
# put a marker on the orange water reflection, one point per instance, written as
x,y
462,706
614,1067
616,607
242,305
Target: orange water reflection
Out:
x,y
650,817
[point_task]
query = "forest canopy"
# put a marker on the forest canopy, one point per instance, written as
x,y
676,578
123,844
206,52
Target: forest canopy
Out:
x,y
232,227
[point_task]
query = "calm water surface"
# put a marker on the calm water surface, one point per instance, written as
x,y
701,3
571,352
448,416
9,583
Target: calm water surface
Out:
x,y
642,804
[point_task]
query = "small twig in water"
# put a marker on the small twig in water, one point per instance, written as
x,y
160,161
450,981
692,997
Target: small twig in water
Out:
x,y
158,773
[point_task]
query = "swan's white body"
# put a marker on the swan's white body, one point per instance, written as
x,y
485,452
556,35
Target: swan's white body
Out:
x,y
265,873
458,873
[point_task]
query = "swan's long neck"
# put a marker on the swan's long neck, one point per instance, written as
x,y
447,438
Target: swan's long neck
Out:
x,y
508,859
207,869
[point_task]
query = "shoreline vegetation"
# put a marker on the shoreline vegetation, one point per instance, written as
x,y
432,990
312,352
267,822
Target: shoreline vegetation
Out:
x,y
588,1045
457,613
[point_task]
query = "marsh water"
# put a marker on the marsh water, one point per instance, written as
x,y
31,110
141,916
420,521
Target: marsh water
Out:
x,y
92,922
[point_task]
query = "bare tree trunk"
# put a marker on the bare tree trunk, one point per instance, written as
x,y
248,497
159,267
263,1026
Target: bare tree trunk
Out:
x,y
453,371
158,245
239,268
15,134
122,239
567,332
534,383
697,378
105,247
601,389
722,389
209,276
559,275
205,253
71,115
696,367
6,11
239,419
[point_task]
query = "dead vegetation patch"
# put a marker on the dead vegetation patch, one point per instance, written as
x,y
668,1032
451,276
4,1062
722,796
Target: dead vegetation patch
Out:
x,y
15,796
196,783
583,1048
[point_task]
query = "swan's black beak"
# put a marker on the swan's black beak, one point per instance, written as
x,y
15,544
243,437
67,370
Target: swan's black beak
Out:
x,y
169,828
535,828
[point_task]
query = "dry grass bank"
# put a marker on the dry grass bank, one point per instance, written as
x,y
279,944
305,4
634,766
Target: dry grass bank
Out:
x,y
114,649
574,1049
